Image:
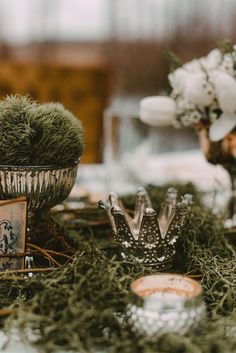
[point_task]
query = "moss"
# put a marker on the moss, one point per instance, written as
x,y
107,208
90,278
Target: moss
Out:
x,y
74,308
38,134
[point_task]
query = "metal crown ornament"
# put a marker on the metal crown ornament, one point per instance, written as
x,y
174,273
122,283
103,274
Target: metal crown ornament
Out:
x,y
147,237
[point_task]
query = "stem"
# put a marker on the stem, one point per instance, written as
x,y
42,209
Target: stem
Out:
x,y
232,205
5,312
59,254
45,253
34,270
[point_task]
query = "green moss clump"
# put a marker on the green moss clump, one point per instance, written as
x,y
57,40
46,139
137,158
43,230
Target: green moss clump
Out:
x,y
38,134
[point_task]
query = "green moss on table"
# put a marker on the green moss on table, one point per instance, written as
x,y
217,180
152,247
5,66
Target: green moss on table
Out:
x,y
75,308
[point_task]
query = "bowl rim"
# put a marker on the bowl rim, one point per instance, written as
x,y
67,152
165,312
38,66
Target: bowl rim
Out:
x,y
11,167
197,289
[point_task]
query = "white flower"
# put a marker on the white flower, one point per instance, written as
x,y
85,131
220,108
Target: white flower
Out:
x,y
213,116
225,88
193,66
222,126
177,79
195,117
227,65
186,120
212,60
197,90
208,82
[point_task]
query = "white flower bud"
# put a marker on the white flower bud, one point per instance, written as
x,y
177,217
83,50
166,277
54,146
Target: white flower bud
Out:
x,y
157,110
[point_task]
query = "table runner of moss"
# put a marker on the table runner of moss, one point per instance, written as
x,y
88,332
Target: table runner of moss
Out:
x,y
74,308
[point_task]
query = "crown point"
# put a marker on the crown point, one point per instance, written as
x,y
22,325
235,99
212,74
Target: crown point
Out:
x,y
149,212
171,194
116,210
187,199
102,204
172,190
112,194
141,191
113,199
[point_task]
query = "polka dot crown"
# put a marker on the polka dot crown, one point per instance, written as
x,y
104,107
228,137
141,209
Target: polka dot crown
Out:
x,y
146,237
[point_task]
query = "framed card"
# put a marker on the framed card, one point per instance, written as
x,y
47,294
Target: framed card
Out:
x,y
12,233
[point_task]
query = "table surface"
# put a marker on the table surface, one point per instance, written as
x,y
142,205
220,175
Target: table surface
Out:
x,y
127,176
156,169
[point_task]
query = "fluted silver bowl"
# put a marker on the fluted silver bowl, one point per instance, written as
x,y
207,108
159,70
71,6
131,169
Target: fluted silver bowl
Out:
x,y
43,186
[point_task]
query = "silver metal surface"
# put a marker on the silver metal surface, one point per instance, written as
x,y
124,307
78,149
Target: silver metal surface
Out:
x,y
43,186
165,303
148,238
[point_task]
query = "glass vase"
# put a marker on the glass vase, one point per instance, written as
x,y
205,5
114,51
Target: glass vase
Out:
x,y
222,152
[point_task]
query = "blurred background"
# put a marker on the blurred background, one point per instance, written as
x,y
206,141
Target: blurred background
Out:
x,y
99,57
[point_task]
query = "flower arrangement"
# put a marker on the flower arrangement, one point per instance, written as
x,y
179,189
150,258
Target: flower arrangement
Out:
x,y
204,91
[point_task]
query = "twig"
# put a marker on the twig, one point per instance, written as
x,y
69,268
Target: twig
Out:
x,y
60,254
9,202
27,270
194,270
12,278
27,253
45,253
4,312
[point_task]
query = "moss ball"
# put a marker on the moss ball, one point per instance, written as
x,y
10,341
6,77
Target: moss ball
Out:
x,y
38,134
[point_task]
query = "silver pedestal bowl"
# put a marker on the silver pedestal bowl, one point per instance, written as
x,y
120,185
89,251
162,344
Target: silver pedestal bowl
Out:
x,y
43,186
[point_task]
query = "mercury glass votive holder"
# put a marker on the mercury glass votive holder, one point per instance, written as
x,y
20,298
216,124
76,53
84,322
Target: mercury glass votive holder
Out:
x,y
165,303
